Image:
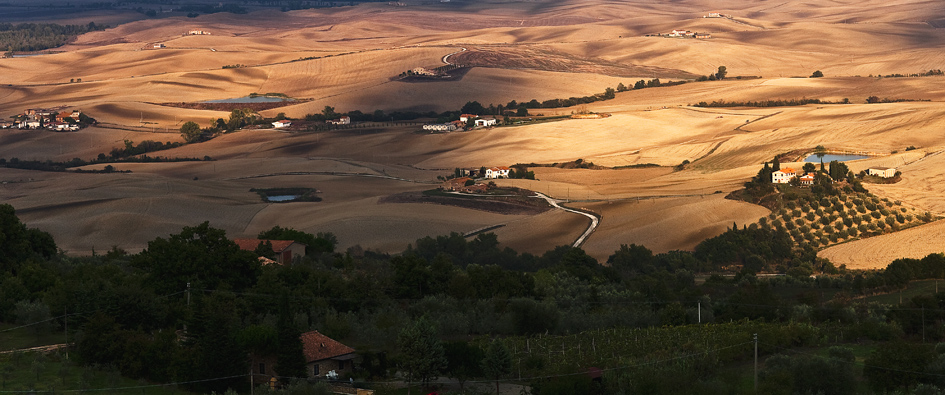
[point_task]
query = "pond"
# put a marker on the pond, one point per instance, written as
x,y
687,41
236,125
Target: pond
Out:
x,y
282,198
827,158
251,99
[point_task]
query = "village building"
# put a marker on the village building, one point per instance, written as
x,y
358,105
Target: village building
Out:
x,y
703,35
466,117
157,46
340,121
6,125
286,250
486,122
879,171
497,172
198,33
282,124
783,176
807,179
455,184
323,354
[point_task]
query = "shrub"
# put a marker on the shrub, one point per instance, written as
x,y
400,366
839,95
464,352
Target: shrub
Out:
x,y
849,204
799,222
884,212
828,229
876,214
810,216
833,238
852,232
815,225
848,221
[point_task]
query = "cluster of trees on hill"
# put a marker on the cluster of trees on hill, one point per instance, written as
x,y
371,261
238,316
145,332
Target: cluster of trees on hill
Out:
x,y
768,103
451,287
40,36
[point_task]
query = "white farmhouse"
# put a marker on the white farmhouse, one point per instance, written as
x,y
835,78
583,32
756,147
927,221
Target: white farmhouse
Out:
x,y
497,172
281,124
783,176
884,172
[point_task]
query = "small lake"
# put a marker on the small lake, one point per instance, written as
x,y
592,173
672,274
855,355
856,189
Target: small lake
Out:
x,y
282,198
251,99
827,158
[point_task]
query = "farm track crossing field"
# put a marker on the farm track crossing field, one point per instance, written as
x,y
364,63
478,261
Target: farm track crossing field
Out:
x,y
347,58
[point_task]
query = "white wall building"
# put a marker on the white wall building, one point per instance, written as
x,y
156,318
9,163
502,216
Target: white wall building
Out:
x,y
783,176
884,172
486,122
497,172
281,124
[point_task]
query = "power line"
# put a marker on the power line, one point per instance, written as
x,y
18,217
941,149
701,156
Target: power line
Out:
x,y
128,387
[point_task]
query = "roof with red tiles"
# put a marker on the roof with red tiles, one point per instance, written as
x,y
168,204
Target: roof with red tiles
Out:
x,y
251,244
317,347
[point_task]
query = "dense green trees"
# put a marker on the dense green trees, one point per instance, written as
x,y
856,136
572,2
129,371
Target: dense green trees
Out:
x,y
201,256
40,36
190,131
422,355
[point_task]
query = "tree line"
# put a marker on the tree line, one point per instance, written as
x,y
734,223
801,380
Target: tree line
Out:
x,y
40,36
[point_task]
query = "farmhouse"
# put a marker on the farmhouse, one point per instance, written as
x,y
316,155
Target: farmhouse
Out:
x,y
703,35
440,127
497,172
323,354
340,121
198,33
282,124
879,171
157,46
807,179
466,117
783,176
286,250
486,122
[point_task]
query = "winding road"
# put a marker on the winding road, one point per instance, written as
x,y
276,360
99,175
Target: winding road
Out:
x,y
590,229
447,56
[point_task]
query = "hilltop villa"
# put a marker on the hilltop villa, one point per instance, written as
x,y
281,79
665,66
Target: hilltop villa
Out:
x,y
783,176
497,172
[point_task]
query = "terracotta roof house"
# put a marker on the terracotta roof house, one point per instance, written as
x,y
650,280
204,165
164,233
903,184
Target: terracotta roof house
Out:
x,y
783,176
286,250
323,354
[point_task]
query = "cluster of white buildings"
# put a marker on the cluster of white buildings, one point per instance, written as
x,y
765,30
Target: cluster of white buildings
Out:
x,y
340,121
38,118
784,176
461,123
284,123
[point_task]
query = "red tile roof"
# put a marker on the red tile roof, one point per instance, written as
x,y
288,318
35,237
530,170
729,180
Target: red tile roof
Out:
x,y
317,347
251,244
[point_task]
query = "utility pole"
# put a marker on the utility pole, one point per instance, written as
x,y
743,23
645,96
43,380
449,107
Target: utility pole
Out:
x,y
700,312
188,304
65,330
756,362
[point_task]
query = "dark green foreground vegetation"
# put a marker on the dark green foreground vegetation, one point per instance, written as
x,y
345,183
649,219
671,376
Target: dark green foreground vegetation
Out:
x,y
467,309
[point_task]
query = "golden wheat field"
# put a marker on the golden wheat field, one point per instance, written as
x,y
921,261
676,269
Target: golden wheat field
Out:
x,y
348,58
